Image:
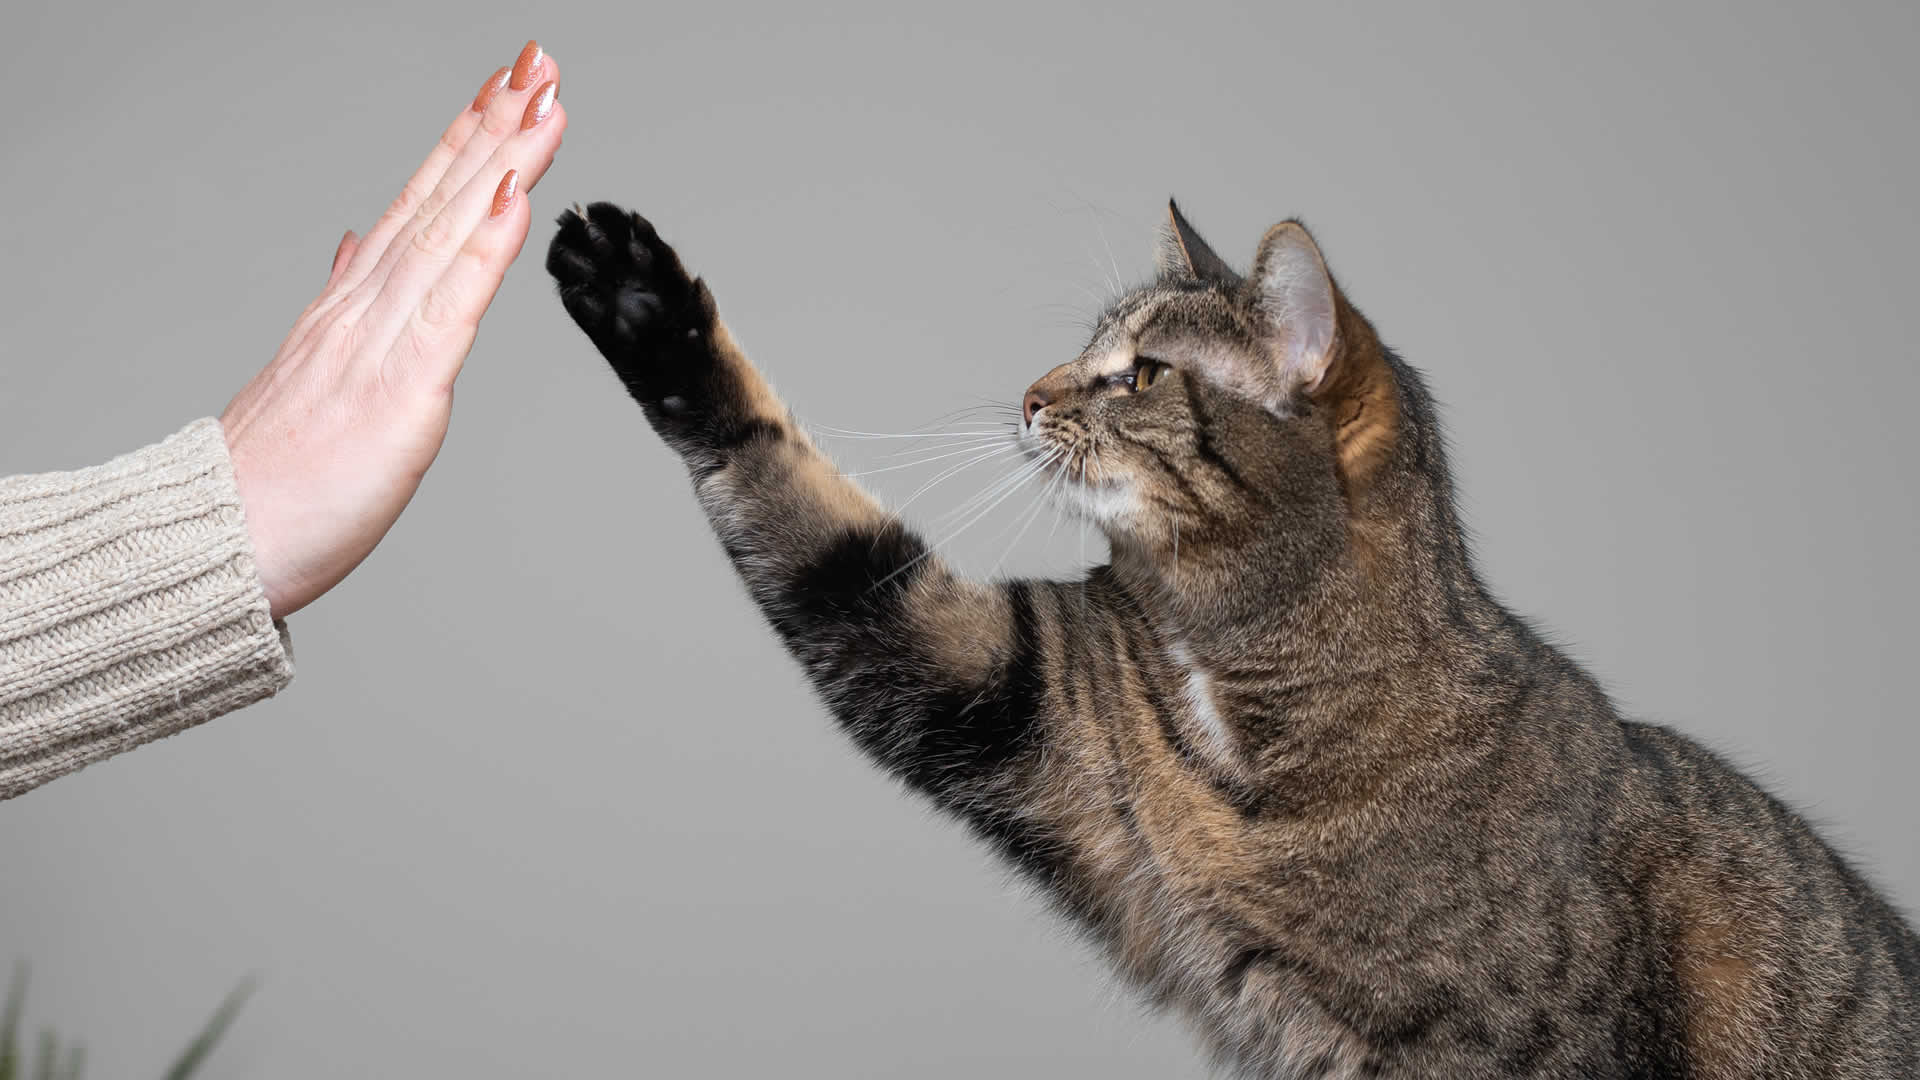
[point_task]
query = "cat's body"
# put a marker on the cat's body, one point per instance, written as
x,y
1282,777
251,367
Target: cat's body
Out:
x,y
1286,761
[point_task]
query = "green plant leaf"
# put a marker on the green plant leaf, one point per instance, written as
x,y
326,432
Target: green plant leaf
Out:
x,y
203,1043
45,1058
10,1023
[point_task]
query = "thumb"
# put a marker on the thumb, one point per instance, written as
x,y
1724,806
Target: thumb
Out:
x,y
348,244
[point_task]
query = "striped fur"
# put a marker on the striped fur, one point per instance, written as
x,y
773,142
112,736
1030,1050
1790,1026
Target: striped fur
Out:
x,y
1284,759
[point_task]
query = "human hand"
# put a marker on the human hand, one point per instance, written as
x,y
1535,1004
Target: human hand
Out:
x,y
331,439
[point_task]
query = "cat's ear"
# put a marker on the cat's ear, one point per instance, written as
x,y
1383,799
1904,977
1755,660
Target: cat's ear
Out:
x,y
1182,254
1325,348
1294,296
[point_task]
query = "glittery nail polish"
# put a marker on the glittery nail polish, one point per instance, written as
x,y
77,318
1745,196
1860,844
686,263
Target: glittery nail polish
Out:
x,y
503,195
532,59
494,84
540,107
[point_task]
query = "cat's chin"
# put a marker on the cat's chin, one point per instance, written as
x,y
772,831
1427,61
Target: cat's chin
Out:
x,y
1115,507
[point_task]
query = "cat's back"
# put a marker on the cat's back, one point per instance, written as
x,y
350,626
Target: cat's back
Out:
x,y
1621,886
1783,960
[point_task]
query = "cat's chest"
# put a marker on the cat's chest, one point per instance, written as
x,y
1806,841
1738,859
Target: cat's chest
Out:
x,y
1197,896
1252,1010
1200,717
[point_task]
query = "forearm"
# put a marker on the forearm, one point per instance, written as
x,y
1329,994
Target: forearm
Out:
x,y
130,608
937,677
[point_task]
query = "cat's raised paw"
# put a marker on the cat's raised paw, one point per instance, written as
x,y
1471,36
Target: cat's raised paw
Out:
x,y
623,284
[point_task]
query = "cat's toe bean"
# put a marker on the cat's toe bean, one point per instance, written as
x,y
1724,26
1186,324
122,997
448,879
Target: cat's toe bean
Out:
x,y
641,255
569,266
587,309
636,305
609,225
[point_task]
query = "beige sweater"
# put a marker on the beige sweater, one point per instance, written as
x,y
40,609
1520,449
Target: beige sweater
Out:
x,y
129,607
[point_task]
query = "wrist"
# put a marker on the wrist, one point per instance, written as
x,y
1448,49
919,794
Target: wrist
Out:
x,y
255,514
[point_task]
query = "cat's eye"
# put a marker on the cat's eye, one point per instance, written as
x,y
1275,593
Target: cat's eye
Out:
x,y
1146,373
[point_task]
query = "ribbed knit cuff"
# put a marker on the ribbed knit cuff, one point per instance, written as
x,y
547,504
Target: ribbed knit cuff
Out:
x,y
130,608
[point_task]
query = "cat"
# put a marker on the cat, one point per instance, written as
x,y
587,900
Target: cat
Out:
x,y
1284,759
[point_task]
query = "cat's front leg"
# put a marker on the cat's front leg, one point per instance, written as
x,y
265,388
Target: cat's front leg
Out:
x,y
659,329
941,679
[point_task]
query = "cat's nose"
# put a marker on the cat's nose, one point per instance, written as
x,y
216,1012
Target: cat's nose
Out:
x,y
1037,399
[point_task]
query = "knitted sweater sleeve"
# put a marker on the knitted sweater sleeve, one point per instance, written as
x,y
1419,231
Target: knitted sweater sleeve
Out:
x,y
129,607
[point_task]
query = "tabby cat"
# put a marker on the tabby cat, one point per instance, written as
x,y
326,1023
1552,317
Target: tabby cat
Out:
x,y
1284,759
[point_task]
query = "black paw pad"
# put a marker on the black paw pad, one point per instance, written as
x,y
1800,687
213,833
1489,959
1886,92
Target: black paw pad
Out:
x,y
621,282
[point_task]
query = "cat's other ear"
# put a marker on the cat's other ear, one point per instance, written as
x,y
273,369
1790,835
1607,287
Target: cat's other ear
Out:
x,y
1295,298
1182,254
1324,347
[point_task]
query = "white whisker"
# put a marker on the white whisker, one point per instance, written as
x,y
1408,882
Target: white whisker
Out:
x,y
1025,476
982,426
1040,504
984,452
949,472
1119,284
1085,573
957,440
964,507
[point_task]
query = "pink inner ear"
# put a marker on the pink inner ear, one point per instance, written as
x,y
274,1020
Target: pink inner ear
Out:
x,y
1296,296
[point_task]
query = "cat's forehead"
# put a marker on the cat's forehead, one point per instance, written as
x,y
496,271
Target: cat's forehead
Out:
x,y
1170,311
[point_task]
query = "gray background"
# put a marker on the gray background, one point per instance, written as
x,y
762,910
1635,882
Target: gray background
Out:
x,y
546,798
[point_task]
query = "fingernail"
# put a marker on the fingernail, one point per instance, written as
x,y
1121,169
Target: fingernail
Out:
x,y
540,107
524,69
503,195
494,84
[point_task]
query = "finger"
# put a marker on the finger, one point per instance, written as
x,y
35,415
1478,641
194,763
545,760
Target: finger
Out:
x,y
427,177
342,253
499,122
427,255
449,315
